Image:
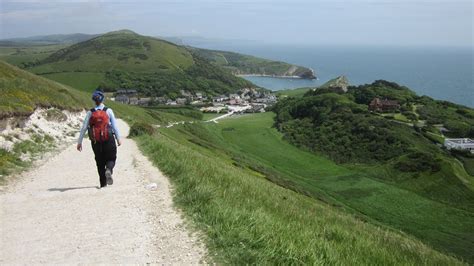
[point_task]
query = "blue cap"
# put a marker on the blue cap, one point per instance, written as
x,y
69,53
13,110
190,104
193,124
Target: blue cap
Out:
x,y
98,96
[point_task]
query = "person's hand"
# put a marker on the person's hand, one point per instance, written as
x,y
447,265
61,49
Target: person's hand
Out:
x,y
79,147
119,142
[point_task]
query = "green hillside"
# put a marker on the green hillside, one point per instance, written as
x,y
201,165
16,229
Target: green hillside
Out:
x,y
23,92
222,172
240,64
399,149
124,59
243,217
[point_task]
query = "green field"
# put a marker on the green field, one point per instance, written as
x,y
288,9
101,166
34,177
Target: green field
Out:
x,y
221,183
26,54
254,144
84,81
293,92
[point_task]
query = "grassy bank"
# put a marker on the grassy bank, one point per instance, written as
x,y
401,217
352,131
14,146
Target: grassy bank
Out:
x,y
23,92
247,219
365,191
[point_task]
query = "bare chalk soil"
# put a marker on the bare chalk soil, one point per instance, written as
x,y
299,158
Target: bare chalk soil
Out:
x,y
56,214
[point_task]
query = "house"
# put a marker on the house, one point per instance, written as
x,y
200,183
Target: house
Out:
x,y
161,100
181,101
126,91
122,98
220,98
133,100
199,95
378,105
126,96
461,144
256,108
144,101
234,96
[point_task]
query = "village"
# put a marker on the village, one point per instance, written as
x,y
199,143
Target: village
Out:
x,y
248,100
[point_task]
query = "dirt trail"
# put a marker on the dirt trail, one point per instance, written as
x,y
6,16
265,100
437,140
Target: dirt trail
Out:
x,y
56,214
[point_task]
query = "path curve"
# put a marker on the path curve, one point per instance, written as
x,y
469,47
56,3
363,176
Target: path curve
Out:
x,y
56,214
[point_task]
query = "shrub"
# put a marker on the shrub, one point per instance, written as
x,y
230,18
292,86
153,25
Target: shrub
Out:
x,y
410,115
140,128
418,162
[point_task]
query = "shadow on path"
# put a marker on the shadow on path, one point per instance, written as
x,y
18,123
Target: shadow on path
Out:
x,y
70,188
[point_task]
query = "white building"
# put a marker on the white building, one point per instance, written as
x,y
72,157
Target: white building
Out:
x,y
462,144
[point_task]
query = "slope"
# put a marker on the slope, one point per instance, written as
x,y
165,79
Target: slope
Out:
x,y
24,94
245,218
249,220
127,60
240,64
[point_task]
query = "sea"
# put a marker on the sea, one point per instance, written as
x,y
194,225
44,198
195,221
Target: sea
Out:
x,y
441,73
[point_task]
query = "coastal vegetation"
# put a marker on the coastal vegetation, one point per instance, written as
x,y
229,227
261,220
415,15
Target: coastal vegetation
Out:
x,y
126,60
262,191
223,186
240,64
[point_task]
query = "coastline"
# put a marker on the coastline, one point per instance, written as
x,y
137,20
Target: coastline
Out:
x,y
271,76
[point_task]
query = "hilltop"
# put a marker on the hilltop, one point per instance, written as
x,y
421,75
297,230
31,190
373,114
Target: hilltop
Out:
x,y
340,82
124,59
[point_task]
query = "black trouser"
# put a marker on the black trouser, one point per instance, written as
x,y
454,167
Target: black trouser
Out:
x,y
105,156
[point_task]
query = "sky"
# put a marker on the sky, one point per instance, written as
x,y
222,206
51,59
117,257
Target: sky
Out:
x,y
323,22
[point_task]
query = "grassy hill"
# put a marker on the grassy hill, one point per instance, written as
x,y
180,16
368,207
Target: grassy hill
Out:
x,y
23,92
244,218
240,64
222,173
124,59
396,151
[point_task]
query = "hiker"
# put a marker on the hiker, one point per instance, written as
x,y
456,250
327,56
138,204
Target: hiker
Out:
x,y
101,125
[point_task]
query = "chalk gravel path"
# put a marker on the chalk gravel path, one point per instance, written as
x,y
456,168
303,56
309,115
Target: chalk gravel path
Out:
x,y
56,214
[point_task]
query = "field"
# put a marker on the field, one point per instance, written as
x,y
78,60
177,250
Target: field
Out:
x,y
253,144
25,54
293,92
84,81
247,219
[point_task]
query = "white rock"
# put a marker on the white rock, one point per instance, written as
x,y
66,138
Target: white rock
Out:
x,y
152,186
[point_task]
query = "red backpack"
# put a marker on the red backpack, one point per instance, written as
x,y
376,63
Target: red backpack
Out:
x,y
99,128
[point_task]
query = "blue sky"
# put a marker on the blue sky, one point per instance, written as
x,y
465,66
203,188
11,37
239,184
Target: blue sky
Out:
x,y
353,22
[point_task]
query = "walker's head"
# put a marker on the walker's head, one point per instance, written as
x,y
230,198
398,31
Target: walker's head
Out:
x,y
98,97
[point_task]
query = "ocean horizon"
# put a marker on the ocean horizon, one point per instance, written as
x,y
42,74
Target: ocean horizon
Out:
x,y
438,72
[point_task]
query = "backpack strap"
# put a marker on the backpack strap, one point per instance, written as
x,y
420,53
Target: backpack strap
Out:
x,y
92,110
105,109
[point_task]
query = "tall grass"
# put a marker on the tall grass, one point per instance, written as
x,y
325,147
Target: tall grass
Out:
x,y
248,220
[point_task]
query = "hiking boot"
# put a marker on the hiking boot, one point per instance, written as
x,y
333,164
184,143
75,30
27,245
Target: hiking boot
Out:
x,y
108,175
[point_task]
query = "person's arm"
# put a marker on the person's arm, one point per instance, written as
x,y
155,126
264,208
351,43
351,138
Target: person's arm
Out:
x,y
85,124
113,123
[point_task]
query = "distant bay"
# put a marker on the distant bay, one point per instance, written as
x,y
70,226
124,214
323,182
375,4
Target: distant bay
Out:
x,y
441,73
